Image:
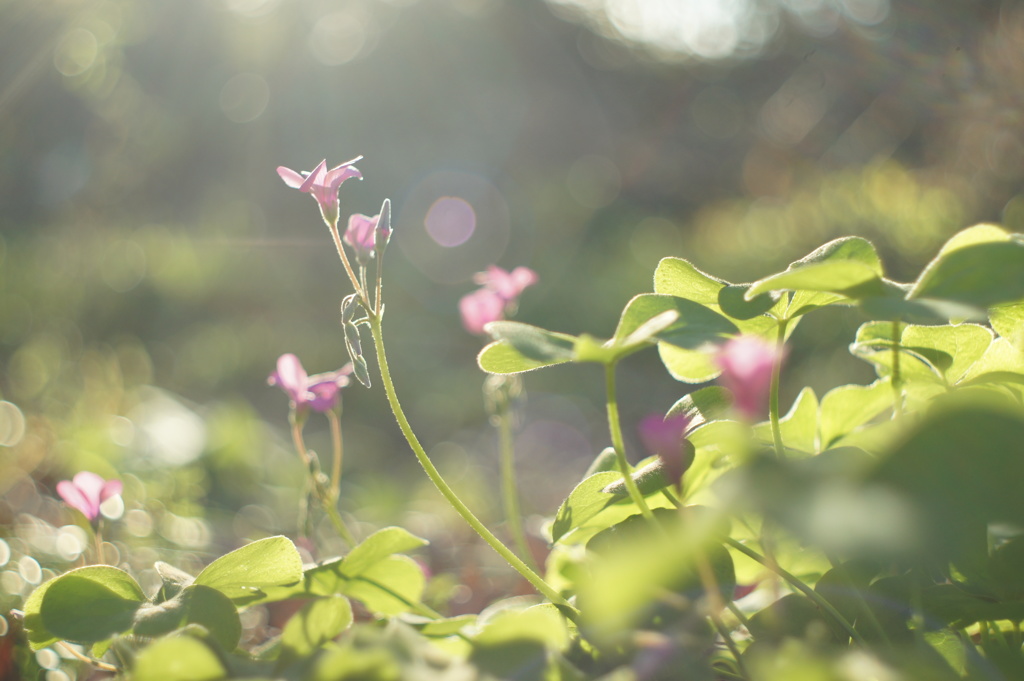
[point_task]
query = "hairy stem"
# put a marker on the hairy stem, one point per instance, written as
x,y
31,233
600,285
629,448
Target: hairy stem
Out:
x,y
435,477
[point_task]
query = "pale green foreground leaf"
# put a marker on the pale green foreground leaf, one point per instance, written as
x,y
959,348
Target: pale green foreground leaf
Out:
x,y
1008,322
799,426
195,604
849,267
522,347
583,503
377,547
846,408
178,658
85,605
982,265
944,353
318,622
245,573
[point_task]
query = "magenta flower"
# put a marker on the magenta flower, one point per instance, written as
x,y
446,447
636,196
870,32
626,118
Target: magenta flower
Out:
x,y
320,392
508,285
86,491
361,235
481,307
665,438
746,362
323,184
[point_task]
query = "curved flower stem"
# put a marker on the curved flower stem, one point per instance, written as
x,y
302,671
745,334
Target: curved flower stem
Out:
x,y
799,585
327,504
332,418
435,477
773,400
615,429
510,490
344,258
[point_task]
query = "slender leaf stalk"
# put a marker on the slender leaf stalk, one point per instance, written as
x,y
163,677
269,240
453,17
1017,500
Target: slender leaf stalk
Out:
x,y
328,504
332,418
897,380
510,489
773,400
615,429
800,586
446,491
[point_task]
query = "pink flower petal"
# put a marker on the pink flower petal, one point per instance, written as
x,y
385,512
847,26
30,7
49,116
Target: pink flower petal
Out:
x,y
74,498
479,308
290,177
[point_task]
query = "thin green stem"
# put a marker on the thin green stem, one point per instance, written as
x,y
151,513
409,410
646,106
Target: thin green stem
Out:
x,y
615,429
773,400
738,614
338,523
332,418
510,490
897,380
435,477
333,229
327,503
800,586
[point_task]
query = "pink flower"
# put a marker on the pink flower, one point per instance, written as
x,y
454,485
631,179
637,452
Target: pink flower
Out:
x,y
508,285
361,235
481,307
323,184
320,392
665,438
86,491
498,296
746,363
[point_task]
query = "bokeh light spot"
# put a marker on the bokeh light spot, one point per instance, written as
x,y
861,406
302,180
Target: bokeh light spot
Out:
x,y
30,570
450,221
12,429
339,37
244,97
76,53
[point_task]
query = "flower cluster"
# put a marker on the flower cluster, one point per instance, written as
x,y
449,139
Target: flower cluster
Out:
x,y
497,296
320,392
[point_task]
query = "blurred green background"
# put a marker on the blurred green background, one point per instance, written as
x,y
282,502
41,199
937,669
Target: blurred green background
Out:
x,y
154,266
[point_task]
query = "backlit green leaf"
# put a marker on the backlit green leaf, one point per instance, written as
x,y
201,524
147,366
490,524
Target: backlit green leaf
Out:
x,y
178,658
982,266
316,623
86,605
849,266
242,574
848,407
521,347
378,546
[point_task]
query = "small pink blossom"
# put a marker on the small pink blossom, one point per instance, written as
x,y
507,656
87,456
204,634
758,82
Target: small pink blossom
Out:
x,y
746,363
497,297
481,307
323,184
86,491
665,438
320,392
508,285
361,236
